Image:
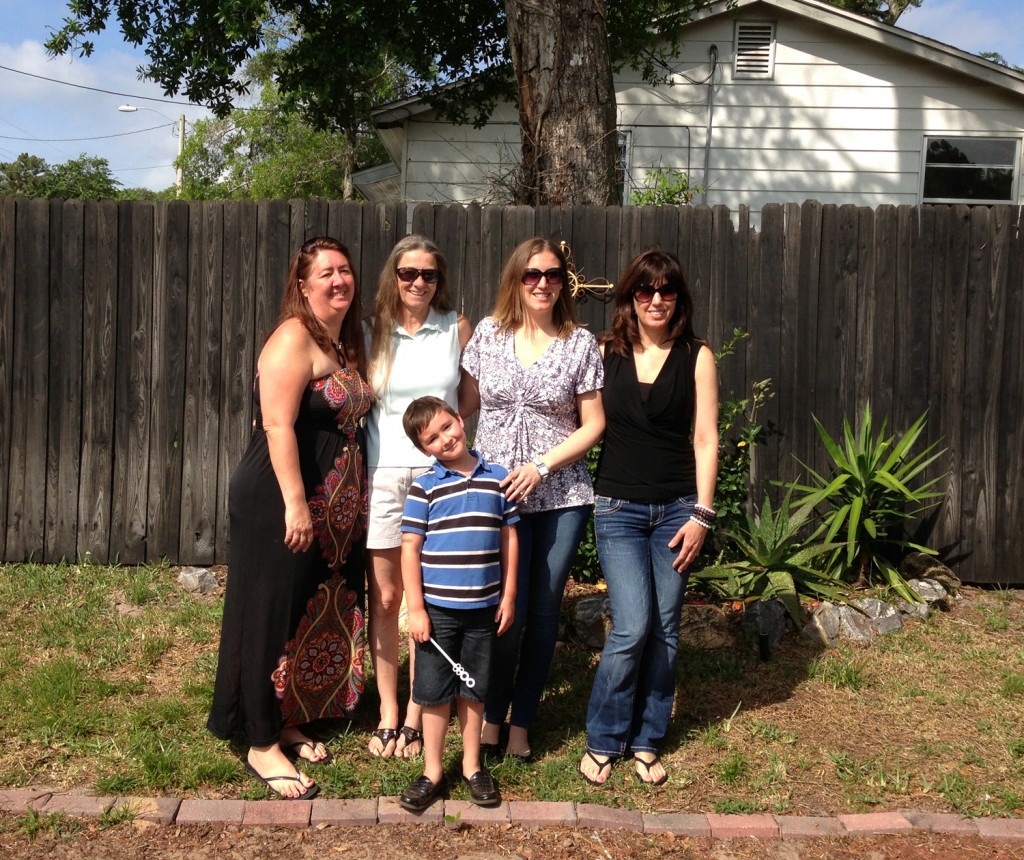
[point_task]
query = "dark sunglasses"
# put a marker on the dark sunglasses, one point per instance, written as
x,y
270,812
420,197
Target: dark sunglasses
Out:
x,y
408,274
531,277
644,293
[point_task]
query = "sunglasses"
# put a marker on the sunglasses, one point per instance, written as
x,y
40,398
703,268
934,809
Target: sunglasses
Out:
x,y
408,274
531,277
644,293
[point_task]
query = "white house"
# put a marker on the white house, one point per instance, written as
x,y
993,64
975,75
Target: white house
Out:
x,y
772,101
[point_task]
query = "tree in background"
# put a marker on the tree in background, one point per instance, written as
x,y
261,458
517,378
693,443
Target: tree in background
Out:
x,y
555,59
84,178
270,152
886,11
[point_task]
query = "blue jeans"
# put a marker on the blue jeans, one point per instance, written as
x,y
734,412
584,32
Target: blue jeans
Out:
x,y
631,702
548,541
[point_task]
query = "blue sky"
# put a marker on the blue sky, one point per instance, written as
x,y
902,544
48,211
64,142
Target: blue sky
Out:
x,y
58,122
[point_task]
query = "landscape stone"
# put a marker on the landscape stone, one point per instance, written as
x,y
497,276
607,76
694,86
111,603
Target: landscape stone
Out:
x,y
854,626
197,579
929,590
919,565
592,620
706,627
882,617
768,617
823,626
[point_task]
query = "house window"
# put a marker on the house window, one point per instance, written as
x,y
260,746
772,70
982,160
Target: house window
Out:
x,y
970,170
755,50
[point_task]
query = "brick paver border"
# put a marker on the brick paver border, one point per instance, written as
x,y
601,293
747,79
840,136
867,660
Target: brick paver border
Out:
x,y
386,810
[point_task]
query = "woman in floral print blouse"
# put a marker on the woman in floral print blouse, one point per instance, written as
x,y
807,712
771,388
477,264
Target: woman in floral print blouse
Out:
x,y
536,377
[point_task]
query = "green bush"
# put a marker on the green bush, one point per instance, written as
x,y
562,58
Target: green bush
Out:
x,y
875,486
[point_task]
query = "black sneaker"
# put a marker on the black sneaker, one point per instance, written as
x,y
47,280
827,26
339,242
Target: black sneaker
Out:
x,y
482,789
421,792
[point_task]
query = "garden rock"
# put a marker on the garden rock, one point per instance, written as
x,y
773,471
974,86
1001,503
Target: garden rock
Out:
x,y
766,617
706,627
592,620
854,625
931,593
883,618
919,565
823,626
197,579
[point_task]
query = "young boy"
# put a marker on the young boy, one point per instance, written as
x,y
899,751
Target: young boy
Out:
x,y
459,555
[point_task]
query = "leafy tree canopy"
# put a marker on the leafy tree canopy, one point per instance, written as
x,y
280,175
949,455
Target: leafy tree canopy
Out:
x,y
886,11
271,153
84,178
330,58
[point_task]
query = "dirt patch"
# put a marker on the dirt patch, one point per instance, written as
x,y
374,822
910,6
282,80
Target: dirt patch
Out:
x,y
431,842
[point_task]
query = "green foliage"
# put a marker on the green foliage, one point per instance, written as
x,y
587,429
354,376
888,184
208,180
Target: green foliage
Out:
x,y
875,486
83,178
887,11
738,432
272,153
665,186
776,561
587,566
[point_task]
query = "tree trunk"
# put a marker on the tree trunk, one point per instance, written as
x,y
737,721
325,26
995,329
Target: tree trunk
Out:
x,y
348,191
566,102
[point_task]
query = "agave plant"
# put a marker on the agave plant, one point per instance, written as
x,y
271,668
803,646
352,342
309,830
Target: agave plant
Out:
x,y
777,560
875,486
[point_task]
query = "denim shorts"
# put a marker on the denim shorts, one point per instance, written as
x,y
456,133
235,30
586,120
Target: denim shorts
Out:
x,y
467,635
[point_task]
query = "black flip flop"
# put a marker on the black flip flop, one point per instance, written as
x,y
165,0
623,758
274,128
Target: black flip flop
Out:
x,y
311,791
601,765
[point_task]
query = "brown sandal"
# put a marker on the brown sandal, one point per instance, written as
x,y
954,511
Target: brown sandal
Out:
x,y
385,736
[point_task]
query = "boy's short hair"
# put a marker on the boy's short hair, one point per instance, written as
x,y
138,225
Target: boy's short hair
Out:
x,y
420,413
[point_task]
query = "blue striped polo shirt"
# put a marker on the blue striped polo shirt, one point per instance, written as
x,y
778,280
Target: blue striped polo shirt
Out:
x,y
461,519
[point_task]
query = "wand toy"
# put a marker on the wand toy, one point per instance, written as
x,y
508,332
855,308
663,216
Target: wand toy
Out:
x,y
457,668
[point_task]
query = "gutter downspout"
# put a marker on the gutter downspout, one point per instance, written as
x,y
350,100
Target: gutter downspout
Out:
x,y
713,53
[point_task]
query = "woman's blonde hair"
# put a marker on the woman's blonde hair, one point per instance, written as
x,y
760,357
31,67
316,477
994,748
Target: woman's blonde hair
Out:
x,y
509,311
389,300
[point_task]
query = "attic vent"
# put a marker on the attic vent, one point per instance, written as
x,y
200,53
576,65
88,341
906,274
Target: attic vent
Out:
x,y
755,49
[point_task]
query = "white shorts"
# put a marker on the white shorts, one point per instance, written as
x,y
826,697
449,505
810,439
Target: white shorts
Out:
x,y
388,486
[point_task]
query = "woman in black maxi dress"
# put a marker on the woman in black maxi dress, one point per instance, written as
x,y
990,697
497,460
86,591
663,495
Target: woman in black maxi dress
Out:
x,y
293,636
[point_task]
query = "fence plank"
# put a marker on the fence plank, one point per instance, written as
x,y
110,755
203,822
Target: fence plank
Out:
x,y
99,323
167,395
8,232
26,482
134,371
201,452
1010,466
766,346
982,379
63,466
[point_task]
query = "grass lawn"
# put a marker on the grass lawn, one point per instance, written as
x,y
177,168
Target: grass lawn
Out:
x,y
107,674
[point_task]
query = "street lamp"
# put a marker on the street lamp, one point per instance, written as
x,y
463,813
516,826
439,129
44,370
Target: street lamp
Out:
x,y
179,176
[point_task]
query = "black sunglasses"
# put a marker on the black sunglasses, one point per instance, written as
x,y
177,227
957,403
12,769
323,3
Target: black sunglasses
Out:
x,y
531,277
408,274
644,293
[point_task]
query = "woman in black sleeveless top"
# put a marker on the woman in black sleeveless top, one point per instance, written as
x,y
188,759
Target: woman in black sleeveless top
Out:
x,y
655,486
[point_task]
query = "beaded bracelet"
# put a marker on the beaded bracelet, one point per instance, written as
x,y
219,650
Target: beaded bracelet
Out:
x,y
701,521
705,512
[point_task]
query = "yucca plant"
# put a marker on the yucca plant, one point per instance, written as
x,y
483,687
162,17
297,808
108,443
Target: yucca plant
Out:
x,y
875,486
777,560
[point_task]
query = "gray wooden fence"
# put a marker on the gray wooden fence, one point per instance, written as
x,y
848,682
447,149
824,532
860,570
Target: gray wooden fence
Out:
x,y
129,332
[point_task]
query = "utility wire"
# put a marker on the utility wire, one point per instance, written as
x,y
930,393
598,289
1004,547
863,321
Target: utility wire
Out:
x,y
129,95
100,137
98,89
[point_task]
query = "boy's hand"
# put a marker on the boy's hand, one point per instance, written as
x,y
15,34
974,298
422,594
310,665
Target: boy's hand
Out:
x,y
419,625
505,615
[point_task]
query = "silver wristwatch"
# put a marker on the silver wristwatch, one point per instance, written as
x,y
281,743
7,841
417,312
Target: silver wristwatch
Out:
x,y
542,467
